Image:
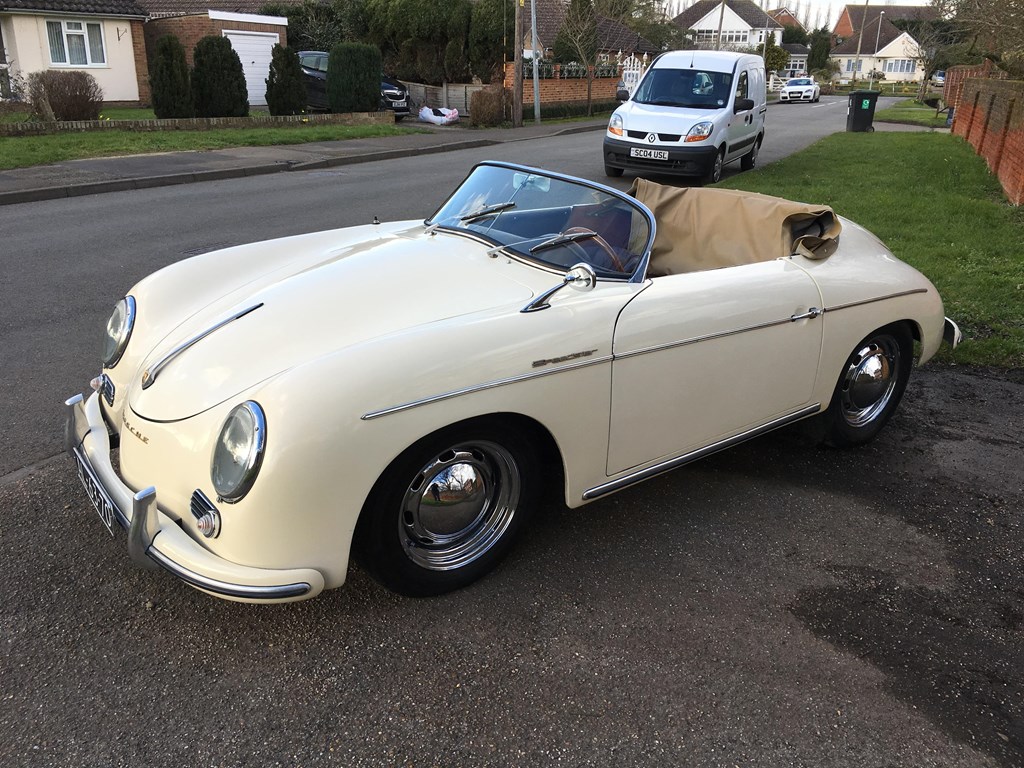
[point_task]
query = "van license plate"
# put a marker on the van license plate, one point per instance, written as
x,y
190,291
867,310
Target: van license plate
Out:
x,y
648,154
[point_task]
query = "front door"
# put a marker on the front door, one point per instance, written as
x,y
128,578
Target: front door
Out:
x,y
703,356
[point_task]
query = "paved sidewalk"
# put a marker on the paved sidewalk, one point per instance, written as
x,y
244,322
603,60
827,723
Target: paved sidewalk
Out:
x,y
116,174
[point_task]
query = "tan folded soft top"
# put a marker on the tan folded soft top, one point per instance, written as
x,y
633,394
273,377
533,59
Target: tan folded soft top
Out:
x,y
702,229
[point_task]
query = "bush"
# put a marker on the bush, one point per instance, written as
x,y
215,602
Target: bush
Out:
x,y
218,81
286,95
353,78
487,106
65,95
169,79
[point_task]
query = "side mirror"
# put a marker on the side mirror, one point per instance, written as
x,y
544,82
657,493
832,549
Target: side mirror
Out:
x,y
743,105
580,276
622,94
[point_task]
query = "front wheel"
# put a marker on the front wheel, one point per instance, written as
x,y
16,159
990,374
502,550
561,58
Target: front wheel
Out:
x,y
612,173
749,160
448,509
714,175
870,386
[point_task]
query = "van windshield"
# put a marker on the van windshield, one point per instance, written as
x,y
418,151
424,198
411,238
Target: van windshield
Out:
x,y
695,88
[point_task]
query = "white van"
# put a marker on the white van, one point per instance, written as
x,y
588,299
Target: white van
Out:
x,y
693,112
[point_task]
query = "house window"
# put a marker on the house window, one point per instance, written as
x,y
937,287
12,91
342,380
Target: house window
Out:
x,y
850,63
76,43
900,65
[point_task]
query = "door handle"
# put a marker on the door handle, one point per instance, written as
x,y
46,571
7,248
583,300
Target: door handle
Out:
x,y
810,314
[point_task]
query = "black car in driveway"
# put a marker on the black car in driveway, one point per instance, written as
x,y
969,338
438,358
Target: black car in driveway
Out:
x,y
393,94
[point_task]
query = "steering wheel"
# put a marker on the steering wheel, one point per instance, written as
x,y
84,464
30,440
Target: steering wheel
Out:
x,y
602,243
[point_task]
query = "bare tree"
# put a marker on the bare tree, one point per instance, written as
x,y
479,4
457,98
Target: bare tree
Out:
x,y
577,41
997,28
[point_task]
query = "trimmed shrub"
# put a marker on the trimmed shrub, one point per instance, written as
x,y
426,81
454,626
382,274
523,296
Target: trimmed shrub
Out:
x,y
218,81
353,78
487,106
286,95
169,79
65,95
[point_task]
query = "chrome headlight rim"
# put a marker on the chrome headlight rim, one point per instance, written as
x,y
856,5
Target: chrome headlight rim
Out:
x,y
250,468
124,332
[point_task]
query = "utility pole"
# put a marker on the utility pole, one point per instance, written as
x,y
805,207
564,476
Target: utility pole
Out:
x,y
721,20
517,57
860,40
536,63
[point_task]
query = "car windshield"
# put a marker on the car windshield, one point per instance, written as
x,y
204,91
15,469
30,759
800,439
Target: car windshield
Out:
x,y
694,88
554,221
801,81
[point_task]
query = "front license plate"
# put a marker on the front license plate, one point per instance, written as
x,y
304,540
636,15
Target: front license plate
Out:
x,y
398,103
648,154
100,501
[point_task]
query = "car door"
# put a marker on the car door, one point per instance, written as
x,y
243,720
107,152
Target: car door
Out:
x,y
742,131
703,356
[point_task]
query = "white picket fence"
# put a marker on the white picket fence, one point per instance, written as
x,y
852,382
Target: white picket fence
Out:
x,y
633,69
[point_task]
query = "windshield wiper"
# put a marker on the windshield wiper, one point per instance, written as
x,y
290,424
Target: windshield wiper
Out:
x,y
487,210
562,239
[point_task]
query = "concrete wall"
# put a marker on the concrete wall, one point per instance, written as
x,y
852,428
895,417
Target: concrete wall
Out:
x,y
990,116
28,50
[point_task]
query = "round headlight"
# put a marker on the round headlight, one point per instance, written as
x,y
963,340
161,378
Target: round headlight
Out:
x,y
238,452
118,331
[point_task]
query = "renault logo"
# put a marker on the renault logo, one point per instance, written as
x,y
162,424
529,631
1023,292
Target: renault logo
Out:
x,y
651,137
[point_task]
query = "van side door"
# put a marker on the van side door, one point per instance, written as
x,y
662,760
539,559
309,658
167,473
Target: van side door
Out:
x,y
742,131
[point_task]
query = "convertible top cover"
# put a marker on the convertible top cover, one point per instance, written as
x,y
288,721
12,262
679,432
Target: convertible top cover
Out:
x,y
701,229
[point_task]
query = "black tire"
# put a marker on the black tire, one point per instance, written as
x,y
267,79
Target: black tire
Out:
x,y
429,528
749,160
870,386
714,174
613,173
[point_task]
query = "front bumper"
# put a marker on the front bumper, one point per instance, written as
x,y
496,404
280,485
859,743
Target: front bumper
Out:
x,y
796,96
682,160
154,538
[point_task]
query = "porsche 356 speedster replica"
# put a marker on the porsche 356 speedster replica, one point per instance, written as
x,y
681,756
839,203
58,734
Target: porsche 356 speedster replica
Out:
x,y
401,390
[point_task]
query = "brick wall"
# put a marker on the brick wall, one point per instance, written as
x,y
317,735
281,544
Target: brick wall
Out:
x,y
141,60
957,76
990,116
190,29
556,90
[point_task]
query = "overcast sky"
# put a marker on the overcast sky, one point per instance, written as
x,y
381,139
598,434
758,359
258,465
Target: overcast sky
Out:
x,y
812,13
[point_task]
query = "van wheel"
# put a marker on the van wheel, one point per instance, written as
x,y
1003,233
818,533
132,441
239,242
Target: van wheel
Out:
x,y
613,173
748,161
714,175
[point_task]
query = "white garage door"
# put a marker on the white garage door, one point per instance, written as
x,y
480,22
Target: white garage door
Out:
x,y
254,49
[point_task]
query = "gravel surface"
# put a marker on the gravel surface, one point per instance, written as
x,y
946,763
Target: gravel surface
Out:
x,y
776,605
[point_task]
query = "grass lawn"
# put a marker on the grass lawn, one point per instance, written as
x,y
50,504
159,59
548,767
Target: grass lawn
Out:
x,y
934,203
22,151
912,112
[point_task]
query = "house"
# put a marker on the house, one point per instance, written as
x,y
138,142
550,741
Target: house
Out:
x,y
613,37
102,37
743,24
786,18
882,46
798,53
252,34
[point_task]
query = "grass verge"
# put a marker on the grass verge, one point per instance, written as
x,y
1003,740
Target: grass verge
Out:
x,y
934,203
911,112
23,151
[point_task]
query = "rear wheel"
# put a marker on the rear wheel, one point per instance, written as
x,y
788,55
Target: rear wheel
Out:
x,y
448,509
870,386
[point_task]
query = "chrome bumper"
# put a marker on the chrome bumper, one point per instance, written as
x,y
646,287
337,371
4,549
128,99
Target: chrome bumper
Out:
x,y
155,540
951,333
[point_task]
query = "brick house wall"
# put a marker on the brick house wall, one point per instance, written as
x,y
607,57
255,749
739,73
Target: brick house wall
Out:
x,y
556,90
990,116
190,29
141,60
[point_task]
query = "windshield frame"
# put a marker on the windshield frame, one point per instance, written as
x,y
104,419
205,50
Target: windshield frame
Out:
x,y
637,276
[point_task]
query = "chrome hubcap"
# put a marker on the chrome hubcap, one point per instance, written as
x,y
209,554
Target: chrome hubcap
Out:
x,y
870,381
459,505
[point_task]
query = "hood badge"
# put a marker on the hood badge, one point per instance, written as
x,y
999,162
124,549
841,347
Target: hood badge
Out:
x,y
133,430
563,358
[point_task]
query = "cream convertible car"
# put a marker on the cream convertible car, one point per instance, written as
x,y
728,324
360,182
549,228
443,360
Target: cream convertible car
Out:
x,y
402,390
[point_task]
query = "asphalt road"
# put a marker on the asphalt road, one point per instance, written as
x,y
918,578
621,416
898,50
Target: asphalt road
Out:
x,y
778,604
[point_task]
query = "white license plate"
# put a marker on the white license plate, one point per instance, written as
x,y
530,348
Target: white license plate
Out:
x,y
100,501
648,154
398,103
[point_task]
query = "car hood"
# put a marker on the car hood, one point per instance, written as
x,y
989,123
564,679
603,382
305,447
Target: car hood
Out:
x,y
656,119
325,300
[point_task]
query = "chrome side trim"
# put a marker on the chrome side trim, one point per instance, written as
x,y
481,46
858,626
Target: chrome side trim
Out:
x,y
862,302
150,374
658,469
482,387
706,337
277,592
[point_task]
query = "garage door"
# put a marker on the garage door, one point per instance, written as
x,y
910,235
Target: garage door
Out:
x,y
254,49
